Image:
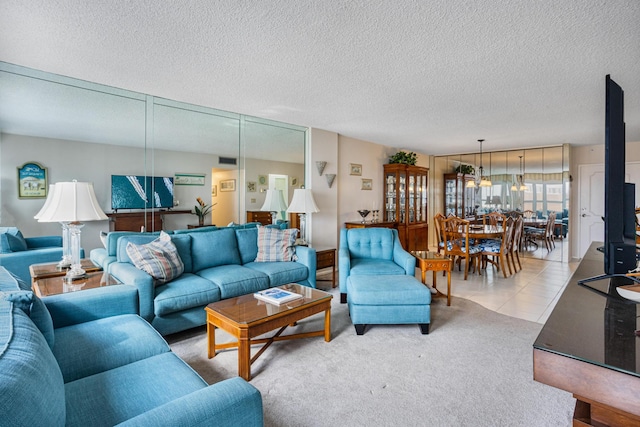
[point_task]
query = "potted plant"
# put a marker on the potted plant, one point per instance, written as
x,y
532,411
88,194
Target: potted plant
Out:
x,y
465,169
405,158
202,210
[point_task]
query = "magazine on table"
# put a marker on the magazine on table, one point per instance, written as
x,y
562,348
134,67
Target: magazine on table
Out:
x,y
276,296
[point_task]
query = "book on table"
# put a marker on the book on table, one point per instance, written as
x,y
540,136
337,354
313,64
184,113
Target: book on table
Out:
x,y
276,296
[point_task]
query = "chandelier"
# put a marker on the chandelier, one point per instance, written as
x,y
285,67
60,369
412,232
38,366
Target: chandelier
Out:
x,y
480,180
519,184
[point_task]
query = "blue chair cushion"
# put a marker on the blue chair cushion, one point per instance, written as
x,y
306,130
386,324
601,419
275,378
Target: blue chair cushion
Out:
x,y
387,290
187,291
370,243
365,266
97,346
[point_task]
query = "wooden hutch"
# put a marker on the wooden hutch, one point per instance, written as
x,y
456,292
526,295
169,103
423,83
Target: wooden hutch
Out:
x,y
458,199
405,203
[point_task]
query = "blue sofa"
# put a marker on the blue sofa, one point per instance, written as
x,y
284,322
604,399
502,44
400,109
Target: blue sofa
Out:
x,y
84,359
17,253
218,264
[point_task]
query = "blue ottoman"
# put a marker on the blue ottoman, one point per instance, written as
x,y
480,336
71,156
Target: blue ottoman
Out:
x,y
388,299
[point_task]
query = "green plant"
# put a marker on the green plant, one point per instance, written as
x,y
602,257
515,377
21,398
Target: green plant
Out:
x,y
201,210
405,158
465,169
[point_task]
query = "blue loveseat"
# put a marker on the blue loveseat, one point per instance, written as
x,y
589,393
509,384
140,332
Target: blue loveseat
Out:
x,y
84,359
17,253
218,264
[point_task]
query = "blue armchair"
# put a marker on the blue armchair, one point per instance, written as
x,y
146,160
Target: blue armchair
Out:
x,y
371,251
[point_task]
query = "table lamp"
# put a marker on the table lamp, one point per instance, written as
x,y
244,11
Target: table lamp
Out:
x,y
72,203
65,262
274,203
302,204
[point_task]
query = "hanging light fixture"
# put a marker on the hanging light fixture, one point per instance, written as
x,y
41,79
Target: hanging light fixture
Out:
x,y
521,177
480,180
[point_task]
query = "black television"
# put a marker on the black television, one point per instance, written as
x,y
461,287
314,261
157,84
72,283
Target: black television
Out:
x,y
619,197
141,192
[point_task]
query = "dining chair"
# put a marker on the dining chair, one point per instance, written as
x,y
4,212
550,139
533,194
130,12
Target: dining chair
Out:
x,y
495,251
494,219
545,234
513,248
455,235
437,219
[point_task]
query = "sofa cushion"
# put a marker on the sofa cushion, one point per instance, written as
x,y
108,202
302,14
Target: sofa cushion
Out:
x,y
187,291
372,266
247,243
387,290
214,248
235,280
11,240
111,342
116,395
158,258
371,243
29,375
281,273
276,245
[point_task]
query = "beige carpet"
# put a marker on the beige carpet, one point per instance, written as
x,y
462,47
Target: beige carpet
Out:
x,y
473,369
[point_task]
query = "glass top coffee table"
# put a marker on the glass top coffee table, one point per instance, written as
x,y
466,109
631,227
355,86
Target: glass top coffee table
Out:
x,y
246,317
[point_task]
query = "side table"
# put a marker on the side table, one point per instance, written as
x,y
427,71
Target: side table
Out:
x,y
326,258
432,261
53,285
51,269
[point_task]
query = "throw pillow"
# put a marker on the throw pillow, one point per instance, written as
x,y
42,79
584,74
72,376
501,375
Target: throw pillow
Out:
x,y
158,258
276,245
11,240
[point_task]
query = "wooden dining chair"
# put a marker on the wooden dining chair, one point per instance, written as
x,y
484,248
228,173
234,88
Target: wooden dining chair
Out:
x,y
437,219
494,219
495,251
513,248
455,235
545,234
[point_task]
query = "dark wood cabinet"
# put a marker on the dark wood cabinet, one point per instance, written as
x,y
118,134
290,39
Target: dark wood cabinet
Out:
x,y
140,221
262,217
459,200
405,203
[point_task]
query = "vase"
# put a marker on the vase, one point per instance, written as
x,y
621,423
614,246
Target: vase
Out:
x,y
200,221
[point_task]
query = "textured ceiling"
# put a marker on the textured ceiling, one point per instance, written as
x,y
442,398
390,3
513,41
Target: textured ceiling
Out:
x,y
431,76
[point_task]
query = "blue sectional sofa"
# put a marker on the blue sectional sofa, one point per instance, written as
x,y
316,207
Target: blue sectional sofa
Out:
x,y
84,359
17,253
218,264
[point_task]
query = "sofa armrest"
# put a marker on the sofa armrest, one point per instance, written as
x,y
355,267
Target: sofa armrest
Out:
x,y
404,259
78,307
307,257
128,274
43,242
344,267
232,402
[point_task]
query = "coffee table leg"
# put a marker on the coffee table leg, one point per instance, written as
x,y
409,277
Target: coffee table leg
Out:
x,y
211,340
327,325
244,358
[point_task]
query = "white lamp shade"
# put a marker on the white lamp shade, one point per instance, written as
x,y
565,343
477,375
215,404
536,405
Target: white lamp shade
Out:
x,y
47,202
274,201
72,202
302,201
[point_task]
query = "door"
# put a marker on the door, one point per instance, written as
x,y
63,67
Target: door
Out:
x,y
591,181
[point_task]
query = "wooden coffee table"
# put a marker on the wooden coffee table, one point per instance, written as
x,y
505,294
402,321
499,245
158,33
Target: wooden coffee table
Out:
x,y
52,285
246,317
51,269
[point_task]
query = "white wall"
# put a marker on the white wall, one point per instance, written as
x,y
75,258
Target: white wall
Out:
x,y
324,224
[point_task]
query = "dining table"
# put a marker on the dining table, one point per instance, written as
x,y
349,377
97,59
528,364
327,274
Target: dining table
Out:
x,y
485,231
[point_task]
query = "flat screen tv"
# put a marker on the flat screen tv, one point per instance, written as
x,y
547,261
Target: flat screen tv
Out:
x,y
619,197
141,192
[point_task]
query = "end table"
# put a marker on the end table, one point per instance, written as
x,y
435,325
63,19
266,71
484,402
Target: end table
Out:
x,y
432,261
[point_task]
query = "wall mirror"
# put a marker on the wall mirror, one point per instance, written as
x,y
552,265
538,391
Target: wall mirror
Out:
x,y
534,179
89,132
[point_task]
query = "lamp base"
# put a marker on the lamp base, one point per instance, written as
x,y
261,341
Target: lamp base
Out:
x,y
76,272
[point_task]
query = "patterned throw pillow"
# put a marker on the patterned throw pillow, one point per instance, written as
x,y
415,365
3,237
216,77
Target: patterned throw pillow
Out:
x,y
276,245
158,258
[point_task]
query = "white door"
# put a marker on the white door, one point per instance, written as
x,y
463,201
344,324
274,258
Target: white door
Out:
x,y
591,181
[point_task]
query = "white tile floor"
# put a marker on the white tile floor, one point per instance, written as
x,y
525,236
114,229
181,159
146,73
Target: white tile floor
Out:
x,y
530,294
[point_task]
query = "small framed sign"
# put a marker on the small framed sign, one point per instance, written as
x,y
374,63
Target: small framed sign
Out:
x,y
189,178
228,185
32,181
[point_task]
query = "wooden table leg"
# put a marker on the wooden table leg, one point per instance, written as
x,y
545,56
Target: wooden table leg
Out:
x,y
211,340
449,287
244,358
327,325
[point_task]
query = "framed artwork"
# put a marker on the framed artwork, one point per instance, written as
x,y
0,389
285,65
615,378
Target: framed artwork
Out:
x,y
263,189
228,185
251,187
214,191
32,181
189,179
355,169
262,179
367,184
293,181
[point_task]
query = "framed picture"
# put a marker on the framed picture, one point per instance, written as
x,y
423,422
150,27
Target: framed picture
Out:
x,y
293,181
251,187
214,191
263,189
367,184
189,179
262,179
355,169
32,181
228,185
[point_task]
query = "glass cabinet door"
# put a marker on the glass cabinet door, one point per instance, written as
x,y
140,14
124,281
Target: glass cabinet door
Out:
x,y
390,197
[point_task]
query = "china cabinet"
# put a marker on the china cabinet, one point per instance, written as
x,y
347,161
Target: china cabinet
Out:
x,y
405,203
458,199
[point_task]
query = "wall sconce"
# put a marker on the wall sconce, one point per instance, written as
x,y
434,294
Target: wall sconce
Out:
x,y
330,178
320,166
